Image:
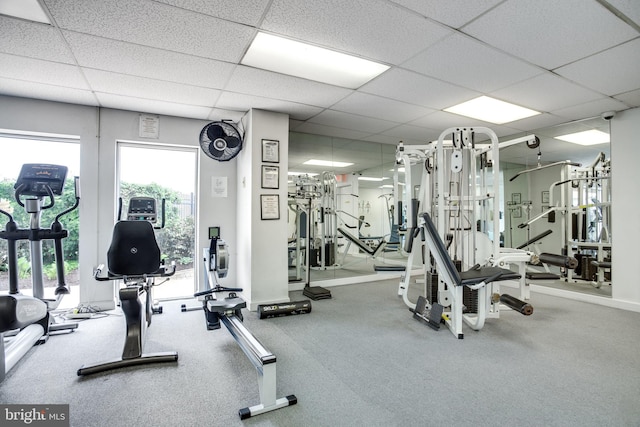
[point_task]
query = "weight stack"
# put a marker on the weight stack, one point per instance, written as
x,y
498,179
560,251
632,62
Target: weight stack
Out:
x,y
432,287
266,311
470,300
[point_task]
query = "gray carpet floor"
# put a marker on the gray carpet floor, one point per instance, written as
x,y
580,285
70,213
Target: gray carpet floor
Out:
x,y
358,359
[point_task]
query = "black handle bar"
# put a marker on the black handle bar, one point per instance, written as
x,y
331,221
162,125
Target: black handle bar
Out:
x,y
216,289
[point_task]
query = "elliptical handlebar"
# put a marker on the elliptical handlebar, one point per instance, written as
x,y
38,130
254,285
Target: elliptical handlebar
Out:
x,y
76,185
22,187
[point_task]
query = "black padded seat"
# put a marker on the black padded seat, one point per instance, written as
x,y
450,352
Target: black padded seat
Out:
x,y
134,249
470,277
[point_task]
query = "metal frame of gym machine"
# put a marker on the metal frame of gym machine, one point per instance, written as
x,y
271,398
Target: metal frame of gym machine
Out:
x,y
18,310
471,196
228,311
575,184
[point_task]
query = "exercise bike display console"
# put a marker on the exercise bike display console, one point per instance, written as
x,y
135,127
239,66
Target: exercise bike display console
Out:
x,y
25,319
142,209
228,311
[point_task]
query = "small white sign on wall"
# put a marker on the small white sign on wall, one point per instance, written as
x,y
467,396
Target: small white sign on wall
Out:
x,y
149,126
218,186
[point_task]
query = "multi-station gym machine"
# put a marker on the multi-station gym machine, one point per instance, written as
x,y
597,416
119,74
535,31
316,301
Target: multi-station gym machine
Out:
x,y
458,199
26,320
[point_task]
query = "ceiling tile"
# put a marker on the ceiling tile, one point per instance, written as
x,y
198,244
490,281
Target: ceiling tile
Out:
x,y
632,98
546,92
278,86
591,109
163,26
127,58
119,102
33,40
611,72
35,70
537,122
550,33
319,129
247,12
240,102
47,92
219,114
368,105
352,122
630,8
454,13
382,31
139,87
471,64
417,89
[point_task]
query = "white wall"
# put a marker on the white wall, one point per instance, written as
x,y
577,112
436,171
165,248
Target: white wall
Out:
x,y
625,206
99,131
50,117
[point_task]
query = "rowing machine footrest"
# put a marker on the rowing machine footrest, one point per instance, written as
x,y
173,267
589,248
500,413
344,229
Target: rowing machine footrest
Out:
x,y
226,305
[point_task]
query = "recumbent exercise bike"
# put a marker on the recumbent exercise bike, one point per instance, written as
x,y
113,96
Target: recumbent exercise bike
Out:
x,y
25,320
134,258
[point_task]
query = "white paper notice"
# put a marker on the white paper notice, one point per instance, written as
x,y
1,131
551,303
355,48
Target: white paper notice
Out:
x,y
218,186
149,126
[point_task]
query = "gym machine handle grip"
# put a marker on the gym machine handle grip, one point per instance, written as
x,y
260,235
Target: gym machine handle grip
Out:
x,y
216,289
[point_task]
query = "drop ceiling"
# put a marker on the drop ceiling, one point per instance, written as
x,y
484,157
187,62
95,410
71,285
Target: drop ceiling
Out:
x,y
569,59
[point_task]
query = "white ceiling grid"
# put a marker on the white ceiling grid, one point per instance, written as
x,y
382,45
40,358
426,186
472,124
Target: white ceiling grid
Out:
x,y
569,59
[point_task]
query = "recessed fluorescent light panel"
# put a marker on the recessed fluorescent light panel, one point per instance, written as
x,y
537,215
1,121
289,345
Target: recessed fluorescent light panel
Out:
x,y
587,137
25,9
491,110
298,59
315,162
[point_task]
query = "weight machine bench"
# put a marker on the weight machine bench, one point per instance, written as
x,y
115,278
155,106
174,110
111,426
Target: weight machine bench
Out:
x,y
452,282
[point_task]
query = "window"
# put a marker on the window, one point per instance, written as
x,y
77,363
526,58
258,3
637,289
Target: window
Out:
x,y
165,172
18,149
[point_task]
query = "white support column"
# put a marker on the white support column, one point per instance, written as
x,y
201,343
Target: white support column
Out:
x,y
625,207
262,243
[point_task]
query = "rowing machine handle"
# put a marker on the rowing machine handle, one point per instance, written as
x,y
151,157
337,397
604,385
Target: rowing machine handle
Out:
x,y
216,289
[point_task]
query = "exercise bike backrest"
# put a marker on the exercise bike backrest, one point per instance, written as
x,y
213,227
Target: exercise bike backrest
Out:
x,y
134,250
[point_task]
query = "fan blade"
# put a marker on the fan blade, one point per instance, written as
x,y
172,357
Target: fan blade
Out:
x,y
232,141
215,131
214,151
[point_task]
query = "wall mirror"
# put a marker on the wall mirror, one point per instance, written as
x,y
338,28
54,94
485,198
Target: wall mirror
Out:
x,y
348,205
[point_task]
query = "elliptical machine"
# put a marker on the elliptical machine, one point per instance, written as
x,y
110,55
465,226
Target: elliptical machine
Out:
x,y
134,258
24,319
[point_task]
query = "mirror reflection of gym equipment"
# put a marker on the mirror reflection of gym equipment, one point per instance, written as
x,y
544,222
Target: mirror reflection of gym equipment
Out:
x,y
25,320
